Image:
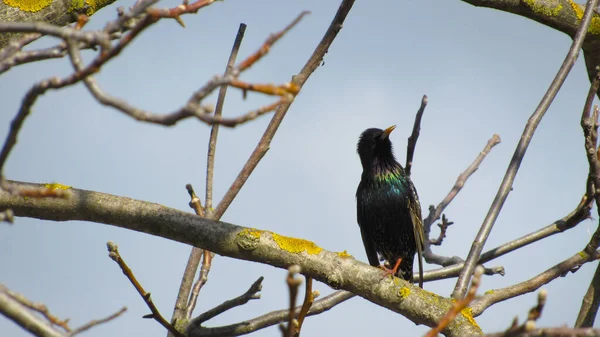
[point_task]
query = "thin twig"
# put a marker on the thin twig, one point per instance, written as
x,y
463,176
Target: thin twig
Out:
x,y
459,305
270,319
202,279
436,212
534,314
96,322
107,54
25,318
309,298
264,49
251,294
37,307
412,140
263,145
113,253
185,287
443,228
214,132
293,283
515,163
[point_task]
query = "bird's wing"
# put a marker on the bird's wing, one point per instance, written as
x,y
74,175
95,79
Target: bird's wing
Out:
x,y
369,248
415,214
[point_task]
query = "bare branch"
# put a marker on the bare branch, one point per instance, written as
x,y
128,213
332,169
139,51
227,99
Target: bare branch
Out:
x,y
412,140
298,80
515,163
96,322
250,294
443,228
37,307
202,279
113,253
214,132
435,213
309,298
580,213
458,306
333,269
12,307
550,332
271,318
498,295
589,304
264,49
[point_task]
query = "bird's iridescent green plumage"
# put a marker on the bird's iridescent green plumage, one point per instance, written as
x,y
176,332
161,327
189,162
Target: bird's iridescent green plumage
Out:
x,y
388,209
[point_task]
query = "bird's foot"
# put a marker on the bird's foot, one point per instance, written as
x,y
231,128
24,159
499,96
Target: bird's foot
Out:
x,y
390,272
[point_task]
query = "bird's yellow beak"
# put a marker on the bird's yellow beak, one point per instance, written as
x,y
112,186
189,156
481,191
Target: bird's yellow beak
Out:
x,y
386,132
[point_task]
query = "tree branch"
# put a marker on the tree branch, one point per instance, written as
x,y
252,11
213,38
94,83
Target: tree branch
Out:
x,y
421,307
515,163
435,213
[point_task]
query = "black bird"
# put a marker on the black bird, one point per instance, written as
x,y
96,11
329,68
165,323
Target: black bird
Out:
x,y
388,208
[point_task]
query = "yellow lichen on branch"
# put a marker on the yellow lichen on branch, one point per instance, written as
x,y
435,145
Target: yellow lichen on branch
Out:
x,y
541,7
28,5
295,245
594,25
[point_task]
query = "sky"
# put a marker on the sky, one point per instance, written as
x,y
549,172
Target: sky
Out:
x,y
484,72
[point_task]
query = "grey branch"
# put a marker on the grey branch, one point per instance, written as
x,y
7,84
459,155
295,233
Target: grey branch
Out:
x,y
250,294
580,213
561,269
244,243
435,213
515,163
272,318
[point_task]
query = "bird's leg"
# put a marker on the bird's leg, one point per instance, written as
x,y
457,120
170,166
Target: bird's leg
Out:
x,y
391,272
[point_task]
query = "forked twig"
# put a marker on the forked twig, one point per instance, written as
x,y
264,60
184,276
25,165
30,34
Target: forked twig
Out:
x,y
113,253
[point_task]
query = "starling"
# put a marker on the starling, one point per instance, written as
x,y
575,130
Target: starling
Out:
x,y
388,208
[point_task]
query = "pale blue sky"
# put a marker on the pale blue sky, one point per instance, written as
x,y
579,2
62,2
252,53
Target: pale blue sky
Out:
x,y
483,70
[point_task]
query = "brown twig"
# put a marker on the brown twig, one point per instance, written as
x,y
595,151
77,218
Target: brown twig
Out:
x,y
459,305
264,49
436,212
293,283
298,80
108,52
443,228
534,314
515,163
96,322
113,253
309,298
37,307
251,294
412,140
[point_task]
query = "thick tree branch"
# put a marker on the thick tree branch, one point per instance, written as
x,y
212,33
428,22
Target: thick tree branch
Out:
x,y
589,304
515,163
421,307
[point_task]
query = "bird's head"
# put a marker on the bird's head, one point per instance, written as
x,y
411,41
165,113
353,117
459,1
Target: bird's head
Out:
x,y
375,148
